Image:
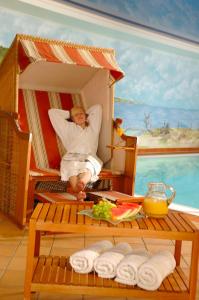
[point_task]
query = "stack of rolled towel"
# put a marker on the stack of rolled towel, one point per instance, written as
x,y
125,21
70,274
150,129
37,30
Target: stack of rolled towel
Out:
x,y
124,265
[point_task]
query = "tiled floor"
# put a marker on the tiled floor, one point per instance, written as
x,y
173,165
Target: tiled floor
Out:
x,y
13,244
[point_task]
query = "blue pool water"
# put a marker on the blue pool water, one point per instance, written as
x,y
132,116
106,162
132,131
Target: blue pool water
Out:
x,y
182,172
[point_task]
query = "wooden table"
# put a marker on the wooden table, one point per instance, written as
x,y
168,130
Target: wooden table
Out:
x,y
54,274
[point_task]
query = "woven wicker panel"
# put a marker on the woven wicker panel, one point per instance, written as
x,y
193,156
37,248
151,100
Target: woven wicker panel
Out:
x,y
13,169
5,158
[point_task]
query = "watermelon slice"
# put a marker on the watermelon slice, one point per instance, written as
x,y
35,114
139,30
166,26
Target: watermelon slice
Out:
x,y
119,213
125,211
135,208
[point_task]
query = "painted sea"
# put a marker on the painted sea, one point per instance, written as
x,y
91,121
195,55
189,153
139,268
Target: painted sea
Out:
x,y
137,118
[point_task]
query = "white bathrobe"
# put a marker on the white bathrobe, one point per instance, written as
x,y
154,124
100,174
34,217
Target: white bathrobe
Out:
x,y
81,144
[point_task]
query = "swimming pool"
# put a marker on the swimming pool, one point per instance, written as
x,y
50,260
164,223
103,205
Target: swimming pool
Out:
x,y
180,171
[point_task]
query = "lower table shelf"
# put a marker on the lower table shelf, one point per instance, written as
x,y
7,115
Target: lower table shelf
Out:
x,y
55,273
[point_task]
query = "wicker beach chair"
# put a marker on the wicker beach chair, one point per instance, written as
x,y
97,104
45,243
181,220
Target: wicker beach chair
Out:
x,y
37,74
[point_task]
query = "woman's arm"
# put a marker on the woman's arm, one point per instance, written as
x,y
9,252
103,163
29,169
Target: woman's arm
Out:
x,y
95,117
58,118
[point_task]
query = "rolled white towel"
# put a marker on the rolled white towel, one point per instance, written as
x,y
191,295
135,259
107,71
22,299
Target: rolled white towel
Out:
x,y
127,270
106,264
152,272
82,261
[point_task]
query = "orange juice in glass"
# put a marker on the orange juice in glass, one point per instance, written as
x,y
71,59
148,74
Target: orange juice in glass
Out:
x,y
156,201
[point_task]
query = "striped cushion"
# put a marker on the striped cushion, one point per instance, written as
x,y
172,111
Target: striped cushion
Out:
x,y
47,149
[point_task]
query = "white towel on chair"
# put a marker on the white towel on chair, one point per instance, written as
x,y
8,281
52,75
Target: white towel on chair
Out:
x,y
106,264
152,272
82,261
127,270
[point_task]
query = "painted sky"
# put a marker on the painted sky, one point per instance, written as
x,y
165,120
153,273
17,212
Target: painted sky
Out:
x,y
155,77
178,17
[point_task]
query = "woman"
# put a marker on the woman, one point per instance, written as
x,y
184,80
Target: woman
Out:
x,y
80,164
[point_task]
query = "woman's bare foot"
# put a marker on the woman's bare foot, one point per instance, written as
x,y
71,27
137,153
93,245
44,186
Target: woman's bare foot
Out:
x,y
81,196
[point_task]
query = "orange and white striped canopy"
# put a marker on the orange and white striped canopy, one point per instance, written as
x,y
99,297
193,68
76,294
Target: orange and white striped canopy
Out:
x,y
32,49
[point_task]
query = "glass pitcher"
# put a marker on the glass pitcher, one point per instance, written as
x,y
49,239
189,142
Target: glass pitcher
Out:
x,y
156,201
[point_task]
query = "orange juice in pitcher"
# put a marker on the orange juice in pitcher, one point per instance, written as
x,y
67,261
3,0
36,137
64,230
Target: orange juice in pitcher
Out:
x,y
156,201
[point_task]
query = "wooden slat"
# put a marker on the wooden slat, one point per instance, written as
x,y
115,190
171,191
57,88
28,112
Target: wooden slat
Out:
x,y
141,224
37,211
104,223
185,218
91,279
44,212
80,218
61,271
39,269
167,285
87,220
107,282
47,269
75,278
68,272
54,269
186,225
134,224
83,279
66,214
123,286
176,222
164,225
51,213
180,281
156,223
127,225
162,287
149,224
173,283
115,284
170,224
73,214
183,277
120,225
98,281
58,214
95,222
182,225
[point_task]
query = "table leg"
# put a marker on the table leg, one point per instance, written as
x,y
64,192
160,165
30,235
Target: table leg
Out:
x,y
37,243
194,267
30,260
177,254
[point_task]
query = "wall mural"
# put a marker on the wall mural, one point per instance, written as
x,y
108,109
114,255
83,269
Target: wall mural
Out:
x,y
159,97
